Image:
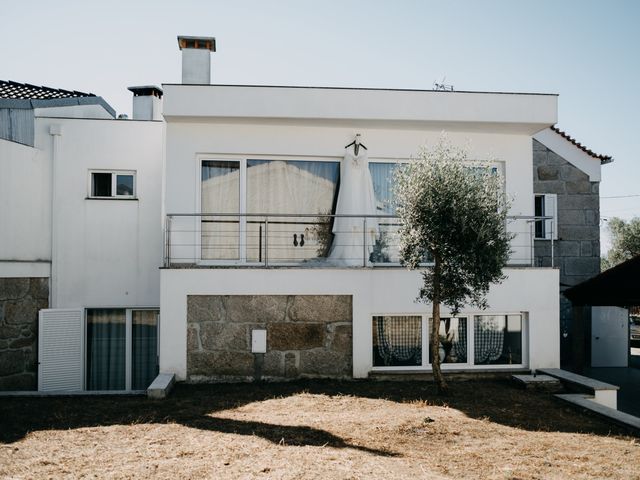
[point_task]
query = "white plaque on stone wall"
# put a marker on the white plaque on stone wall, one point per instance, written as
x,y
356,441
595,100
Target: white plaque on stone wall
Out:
x,y
258,341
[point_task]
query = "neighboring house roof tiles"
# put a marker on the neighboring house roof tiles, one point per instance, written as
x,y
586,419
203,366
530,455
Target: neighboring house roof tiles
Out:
x,y
603,158
26,91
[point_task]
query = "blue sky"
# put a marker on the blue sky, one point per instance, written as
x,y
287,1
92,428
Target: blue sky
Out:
x,y
586,51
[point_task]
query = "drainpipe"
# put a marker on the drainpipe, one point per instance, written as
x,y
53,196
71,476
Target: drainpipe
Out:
x,y
56,132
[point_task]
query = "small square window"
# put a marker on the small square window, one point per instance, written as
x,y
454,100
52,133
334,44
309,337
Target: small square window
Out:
x,y
112,184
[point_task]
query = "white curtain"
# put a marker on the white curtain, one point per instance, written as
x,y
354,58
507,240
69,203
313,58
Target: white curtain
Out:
x,y
289,187
220,194
355,197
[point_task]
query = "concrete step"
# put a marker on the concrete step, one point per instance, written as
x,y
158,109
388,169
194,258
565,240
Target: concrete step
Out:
x,y
538,382
161,386
604,393
611,414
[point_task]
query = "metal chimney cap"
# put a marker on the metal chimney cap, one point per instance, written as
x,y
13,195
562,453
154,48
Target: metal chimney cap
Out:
x,y
146,91
200,43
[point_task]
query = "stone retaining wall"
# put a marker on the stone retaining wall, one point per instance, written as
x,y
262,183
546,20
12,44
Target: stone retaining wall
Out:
x,y
20,301
307,336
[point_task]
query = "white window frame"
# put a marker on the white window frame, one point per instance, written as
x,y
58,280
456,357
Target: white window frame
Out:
x,y
550,225
242,159
114,186
197,240
128,354
242,260
498,165
469,365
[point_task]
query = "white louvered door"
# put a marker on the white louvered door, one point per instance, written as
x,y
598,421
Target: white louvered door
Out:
x,y
60,350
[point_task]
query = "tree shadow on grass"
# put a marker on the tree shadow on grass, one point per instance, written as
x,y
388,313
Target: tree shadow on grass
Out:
x,y
192,406
195,406
498,401
286,435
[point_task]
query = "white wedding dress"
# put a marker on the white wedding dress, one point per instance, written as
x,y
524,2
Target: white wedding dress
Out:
x,y
355,197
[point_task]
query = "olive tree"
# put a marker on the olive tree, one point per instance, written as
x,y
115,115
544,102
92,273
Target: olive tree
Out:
x,y
452,216
625,241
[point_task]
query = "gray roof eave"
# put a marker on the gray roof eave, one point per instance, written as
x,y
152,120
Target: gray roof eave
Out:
x,y
19,103
56,102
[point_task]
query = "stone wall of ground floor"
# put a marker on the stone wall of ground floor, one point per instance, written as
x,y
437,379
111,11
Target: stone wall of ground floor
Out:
x,y
20,301
307,336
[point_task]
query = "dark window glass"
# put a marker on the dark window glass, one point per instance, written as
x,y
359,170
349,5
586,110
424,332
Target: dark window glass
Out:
x,y
101,184
539,212
106,333
144,342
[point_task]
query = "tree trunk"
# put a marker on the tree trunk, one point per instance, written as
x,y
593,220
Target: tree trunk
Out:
x,y
441,385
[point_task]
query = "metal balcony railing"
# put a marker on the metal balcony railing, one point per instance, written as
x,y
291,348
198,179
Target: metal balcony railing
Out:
x,y
316,240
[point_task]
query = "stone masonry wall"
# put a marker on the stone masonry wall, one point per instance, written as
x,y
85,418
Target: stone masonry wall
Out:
x,y
307,336
20,301
577,250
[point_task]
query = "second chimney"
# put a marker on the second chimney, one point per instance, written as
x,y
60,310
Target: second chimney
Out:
x,y
196,59
147,102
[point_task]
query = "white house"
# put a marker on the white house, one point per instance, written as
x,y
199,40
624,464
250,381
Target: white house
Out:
x,y
231,269
81,202
220,214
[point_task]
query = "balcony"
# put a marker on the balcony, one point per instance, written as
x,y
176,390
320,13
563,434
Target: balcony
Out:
x,y
230,240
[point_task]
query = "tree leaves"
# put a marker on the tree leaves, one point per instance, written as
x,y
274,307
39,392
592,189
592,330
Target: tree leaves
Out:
x,y
455,209
625,238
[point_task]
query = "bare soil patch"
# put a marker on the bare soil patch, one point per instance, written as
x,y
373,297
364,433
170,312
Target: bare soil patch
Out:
x,y
314,429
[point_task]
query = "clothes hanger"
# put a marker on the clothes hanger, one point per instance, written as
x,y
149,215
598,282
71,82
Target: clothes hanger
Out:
x,y
356,144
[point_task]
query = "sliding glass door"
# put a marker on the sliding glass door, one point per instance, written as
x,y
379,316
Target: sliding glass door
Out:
x,y
121,348
106,347
290,187
144,348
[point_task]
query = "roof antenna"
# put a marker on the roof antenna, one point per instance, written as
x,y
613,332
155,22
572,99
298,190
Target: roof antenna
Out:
x,y
442,87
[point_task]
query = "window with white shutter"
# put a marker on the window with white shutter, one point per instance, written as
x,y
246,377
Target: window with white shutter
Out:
x,y
546,205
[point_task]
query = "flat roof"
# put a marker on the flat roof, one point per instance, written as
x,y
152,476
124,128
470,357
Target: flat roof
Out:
x,y
374,89
517,112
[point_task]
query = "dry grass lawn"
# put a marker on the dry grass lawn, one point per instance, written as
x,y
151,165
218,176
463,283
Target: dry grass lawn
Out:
x,y
313,429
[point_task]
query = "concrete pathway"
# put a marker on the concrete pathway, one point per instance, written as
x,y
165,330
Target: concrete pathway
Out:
x,y
628,379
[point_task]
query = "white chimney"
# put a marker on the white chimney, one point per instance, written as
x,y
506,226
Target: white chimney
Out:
x,y
147,102
196,59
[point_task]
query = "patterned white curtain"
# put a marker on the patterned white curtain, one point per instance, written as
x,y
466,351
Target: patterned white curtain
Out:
x,y
399,339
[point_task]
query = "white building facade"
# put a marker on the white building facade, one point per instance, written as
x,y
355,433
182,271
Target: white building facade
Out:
x,y
82,239
234,266
201,244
